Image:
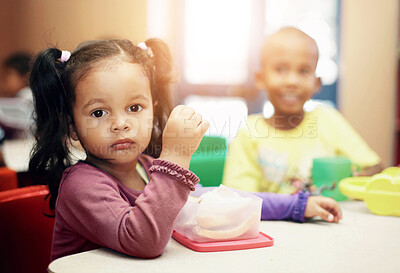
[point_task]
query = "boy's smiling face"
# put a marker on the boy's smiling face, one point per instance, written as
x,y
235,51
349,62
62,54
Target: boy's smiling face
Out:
x,y
289,60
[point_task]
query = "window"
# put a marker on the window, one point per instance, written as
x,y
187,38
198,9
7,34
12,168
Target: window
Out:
x,y
216,45
316,18
217,41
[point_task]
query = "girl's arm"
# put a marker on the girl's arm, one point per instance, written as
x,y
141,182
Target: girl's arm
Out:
x,y
95,209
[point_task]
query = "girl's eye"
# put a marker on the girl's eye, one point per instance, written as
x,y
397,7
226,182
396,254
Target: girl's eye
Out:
x,y
98,113
135,108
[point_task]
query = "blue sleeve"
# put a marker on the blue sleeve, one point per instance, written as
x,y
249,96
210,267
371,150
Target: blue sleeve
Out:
x,y
275,206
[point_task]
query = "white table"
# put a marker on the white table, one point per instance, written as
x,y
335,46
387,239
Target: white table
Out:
x,y
361,242
16,153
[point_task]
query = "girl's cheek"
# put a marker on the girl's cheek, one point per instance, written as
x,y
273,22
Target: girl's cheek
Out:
x,y
136,127
88,125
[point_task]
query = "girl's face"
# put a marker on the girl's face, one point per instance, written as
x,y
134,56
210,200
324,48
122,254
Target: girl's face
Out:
x,y
113,113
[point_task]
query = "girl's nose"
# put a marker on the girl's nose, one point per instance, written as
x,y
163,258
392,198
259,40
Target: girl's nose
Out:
x,y
120,124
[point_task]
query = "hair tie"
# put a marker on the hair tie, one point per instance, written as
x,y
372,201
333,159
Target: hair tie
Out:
x,y
144,47
65,56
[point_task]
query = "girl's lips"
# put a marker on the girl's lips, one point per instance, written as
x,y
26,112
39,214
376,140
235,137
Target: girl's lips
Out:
x,y
122,144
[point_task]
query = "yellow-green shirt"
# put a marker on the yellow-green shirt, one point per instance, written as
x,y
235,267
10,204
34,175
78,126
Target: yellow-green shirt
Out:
x,y
265,159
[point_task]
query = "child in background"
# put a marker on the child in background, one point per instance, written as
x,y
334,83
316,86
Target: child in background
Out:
x,y
14,76
15,95
275,154
112,97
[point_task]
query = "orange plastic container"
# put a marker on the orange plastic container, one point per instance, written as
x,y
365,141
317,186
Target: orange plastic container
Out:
x,y
381,192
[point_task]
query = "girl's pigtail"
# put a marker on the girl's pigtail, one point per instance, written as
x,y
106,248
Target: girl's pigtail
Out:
x,y
50,154
163,76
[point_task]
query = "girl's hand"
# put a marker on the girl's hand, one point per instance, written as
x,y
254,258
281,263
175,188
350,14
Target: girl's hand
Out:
x,y
182,135
324,207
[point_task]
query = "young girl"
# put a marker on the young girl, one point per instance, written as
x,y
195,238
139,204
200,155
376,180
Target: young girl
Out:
x,y
112,97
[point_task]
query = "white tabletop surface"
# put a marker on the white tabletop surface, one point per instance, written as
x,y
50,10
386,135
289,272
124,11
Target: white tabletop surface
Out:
x,y
361,242
16,153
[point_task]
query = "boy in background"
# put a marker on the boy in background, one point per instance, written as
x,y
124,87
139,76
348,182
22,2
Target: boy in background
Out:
x,y
275,154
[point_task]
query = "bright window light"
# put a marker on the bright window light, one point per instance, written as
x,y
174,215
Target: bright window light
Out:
x,y
216,41
226,115
316,18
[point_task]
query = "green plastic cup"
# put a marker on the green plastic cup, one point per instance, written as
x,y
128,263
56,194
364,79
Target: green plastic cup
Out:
x,y
327,172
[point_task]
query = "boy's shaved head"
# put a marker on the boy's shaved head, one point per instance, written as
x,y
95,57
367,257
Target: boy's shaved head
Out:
x,y
288,64
287,37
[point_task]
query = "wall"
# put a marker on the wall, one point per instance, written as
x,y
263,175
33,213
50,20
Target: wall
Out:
x,y
7,27
368,71
36,24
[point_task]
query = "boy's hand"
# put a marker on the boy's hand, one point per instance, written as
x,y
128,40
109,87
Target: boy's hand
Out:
x,y
182,135
324,207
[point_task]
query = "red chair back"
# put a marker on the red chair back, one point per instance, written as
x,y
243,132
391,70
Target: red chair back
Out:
x,y
25,232
8,179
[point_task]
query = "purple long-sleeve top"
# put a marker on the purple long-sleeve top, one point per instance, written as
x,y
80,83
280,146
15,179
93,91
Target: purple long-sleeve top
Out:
x,y
95,210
